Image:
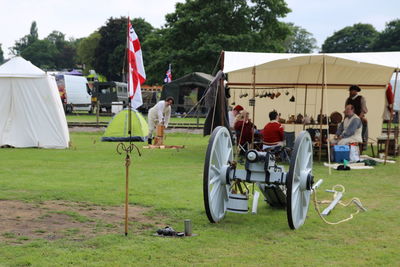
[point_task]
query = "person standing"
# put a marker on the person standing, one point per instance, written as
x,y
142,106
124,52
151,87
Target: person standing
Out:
x,y
159,114
389,101
232,115
360,109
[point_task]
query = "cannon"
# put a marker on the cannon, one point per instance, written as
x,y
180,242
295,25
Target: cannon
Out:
x,y
224,184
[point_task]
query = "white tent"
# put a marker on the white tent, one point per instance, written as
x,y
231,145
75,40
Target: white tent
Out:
x,y
301,75
31,113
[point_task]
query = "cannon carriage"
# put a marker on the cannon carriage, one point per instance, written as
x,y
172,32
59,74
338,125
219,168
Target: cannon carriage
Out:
x,y
224,184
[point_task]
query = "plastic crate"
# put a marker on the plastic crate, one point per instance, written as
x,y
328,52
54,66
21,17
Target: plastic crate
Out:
x,y
341,153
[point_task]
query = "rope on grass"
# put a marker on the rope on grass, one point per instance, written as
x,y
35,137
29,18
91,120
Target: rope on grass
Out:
x,y
354,201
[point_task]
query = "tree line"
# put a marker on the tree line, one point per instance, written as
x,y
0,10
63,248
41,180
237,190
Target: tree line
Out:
x,y
192,38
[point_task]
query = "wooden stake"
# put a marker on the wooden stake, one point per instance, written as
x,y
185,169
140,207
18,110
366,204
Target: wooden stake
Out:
x,y
127,163
390,122
121,148
97,110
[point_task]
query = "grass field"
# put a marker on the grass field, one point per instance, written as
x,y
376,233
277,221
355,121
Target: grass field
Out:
x,y
91,118
168,184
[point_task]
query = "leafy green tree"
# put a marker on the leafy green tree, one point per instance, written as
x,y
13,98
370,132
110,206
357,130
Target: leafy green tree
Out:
x,y
300,40
357,38
1,55
57,38
198,30
110,50
33,33
65,56
86,50
389,38
26,41
41,53
19,46
53,52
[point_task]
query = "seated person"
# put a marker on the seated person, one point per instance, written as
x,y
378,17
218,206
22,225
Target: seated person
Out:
x,y
349,131
244,129
273,131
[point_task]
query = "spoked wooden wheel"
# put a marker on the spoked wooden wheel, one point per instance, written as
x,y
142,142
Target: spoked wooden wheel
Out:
x,y
299,181
215,187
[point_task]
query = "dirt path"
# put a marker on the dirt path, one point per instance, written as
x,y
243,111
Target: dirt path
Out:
x,y
21,221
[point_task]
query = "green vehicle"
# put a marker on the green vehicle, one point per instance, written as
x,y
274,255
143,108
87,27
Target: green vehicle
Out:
x,y
108,92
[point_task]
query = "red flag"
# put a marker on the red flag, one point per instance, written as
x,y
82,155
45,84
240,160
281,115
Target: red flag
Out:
x,y
136,73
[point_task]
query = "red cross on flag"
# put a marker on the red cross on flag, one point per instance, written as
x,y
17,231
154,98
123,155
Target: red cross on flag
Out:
x,y
136,73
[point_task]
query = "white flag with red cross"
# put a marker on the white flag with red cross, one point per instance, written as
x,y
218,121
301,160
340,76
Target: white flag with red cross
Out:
x,y
136,73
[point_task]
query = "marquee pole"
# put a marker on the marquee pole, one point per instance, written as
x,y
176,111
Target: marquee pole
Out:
x,y
390,122
305,106
222,90
320,113
254,104
328,143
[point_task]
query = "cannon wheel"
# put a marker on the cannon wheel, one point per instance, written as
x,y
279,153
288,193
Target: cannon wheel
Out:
x,y
219,153
298,181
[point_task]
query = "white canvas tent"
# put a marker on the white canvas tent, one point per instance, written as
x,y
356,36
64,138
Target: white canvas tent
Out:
x,y
31,113
301,75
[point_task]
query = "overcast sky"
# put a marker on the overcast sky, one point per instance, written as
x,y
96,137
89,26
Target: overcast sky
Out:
x,y
79,18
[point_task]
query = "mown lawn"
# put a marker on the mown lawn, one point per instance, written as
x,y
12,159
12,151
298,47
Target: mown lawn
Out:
x,y
170,183
80,117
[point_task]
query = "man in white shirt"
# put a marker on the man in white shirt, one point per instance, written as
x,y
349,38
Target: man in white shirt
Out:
x,y
350,130
159,114
360,109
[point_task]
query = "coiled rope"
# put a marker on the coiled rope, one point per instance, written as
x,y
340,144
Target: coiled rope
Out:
x,y
354,201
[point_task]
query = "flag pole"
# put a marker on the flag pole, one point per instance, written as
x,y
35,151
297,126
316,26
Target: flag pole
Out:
x,y
121,147
127,160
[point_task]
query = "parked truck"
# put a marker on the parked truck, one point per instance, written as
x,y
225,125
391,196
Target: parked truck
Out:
x,y
107,92
74,92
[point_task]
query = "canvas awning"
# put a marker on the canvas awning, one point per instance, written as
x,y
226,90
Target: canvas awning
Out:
x,y
279,69
302,76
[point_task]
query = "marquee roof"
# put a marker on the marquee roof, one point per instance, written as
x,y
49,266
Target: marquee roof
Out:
x,y
342,69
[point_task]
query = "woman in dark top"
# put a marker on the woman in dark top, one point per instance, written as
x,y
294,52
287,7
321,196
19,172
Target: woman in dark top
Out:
x,y
244,129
